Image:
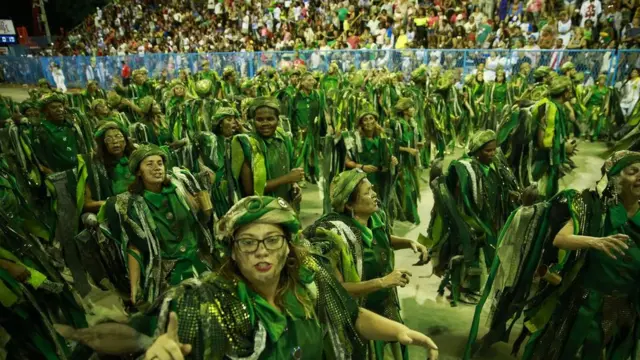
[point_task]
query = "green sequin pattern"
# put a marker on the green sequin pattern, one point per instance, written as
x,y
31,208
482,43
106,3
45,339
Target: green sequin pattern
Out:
x,y
216,323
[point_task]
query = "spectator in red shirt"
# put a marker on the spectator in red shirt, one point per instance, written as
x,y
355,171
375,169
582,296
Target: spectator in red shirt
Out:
x,y
126,74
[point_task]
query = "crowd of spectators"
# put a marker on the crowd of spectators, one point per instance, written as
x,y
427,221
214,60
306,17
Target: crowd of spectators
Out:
x,y
171,26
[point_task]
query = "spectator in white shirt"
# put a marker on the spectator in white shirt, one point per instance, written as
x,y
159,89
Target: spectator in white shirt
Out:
x,y
373,26
590,10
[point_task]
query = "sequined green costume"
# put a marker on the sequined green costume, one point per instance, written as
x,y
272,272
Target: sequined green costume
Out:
x,y
222,317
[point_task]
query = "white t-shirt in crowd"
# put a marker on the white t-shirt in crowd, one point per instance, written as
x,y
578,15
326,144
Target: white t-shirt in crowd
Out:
x,y
218,10
590,10
316,60
373,25
211,4
245,24
276,14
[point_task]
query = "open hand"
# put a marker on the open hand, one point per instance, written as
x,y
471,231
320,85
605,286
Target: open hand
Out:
x,y
611,245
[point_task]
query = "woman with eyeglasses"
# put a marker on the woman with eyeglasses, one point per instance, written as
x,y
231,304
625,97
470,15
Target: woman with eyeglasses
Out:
x,y
357,239
105,173
158,223
272,299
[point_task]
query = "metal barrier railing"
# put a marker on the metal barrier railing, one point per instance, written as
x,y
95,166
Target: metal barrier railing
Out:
x,y
78,70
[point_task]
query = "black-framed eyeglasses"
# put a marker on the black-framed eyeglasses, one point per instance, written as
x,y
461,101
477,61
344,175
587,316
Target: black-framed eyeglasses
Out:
x,y
247,245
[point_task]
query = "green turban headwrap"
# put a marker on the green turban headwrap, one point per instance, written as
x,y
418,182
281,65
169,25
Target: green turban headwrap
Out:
x,y
203,87
264,101
541,72
419,74
145,104
567,66
43,81
28,104
228,71
51,98
445,82
618,161
261,210
342,186
176,82
113,99
222,113
141,71
247,84
404,104
105,126
578,77
559,85
97,102
614,165
480,139
142,152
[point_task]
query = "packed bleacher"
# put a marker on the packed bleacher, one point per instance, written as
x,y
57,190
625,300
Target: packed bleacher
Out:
x,y
137,27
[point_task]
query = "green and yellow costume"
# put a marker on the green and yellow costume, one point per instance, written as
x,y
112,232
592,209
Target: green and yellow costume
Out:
x,y
550,118
268,158
585,302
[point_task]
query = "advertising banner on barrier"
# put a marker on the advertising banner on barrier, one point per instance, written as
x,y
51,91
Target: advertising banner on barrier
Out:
x,y
6,27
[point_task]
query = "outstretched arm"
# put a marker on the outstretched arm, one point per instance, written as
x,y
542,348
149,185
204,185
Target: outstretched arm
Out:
x,y
372,326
